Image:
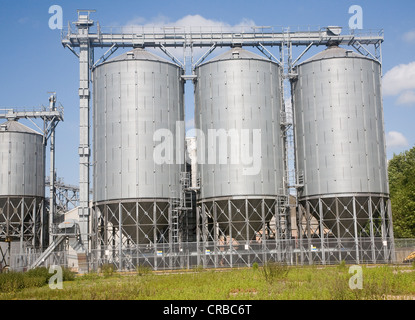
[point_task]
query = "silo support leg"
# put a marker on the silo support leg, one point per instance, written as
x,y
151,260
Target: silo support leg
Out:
x,y
356,236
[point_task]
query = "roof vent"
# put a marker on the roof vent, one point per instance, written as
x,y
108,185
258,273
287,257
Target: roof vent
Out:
x,y
235,54
130,55
334,30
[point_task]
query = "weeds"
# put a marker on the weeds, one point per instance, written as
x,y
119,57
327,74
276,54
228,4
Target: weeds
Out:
x,y
342,266
274,271
199,268
14,281
108,269
11,281
143,270
92,275
271,281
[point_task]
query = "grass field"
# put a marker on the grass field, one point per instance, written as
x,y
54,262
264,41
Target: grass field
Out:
x,y
269,282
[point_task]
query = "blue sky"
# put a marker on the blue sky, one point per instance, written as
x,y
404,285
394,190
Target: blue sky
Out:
x,y
33,61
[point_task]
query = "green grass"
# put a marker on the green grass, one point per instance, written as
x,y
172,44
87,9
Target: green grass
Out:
x,y
13,282
263,282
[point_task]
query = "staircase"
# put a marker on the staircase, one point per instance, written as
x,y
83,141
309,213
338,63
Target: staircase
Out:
x,y
47,252
66,230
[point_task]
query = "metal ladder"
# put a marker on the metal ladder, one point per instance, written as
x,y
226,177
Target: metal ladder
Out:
x,y
180,204
175,212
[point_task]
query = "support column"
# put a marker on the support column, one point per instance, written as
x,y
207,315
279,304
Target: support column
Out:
x,y
36,233
51,184
385,230
85,62
155,239
356,236
320,212
22,219
120,258
339,242
308,226
230,233
84,147
263,238
391,238
215,234
198,234
371,230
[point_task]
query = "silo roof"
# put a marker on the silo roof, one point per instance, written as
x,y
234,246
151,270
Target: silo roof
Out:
x,y
237,53
139,54
14,126
334,52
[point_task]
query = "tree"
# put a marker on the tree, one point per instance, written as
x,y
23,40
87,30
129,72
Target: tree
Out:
x,y
401,170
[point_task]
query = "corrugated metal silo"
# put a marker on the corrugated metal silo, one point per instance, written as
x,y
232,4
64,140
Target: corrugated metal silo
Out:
x,y
340,146
135,94
237,93
22,183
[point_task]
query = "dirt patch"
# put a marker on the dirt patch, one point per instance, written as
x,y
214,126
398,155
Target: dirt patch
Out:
x,y
240,291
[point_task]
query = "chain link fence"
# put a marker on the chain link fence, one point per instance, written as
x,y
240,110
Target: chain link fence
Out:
x,y
227,255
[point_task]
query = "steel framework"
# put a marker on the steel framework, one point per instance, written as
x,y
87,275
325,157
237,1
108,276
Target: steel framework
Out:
x,y
66,196
88,36
354,228
26,217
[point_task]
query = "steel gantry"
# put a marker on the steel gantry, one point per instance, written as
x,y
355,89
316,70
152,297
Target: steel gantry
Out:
x,y
50,116
66,195
89,35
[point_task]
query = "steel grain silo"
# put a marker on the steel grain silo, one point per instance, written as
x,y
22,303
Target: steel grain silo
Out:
x,y
135,94
22,184
340,148
238,92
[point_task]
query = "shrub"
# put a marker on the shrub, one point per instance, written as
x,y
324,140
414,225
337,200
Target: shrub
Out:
x,y
274,271
255,266
108,269
14,281
342,265
68,275
143,270
40,272
11,281
43,272
30,282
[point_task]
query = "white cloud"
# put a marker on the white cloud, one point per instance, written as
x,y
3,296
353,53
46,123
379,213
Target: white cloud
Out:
x,y
189,22
396,139
409,36
407,98
399,79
